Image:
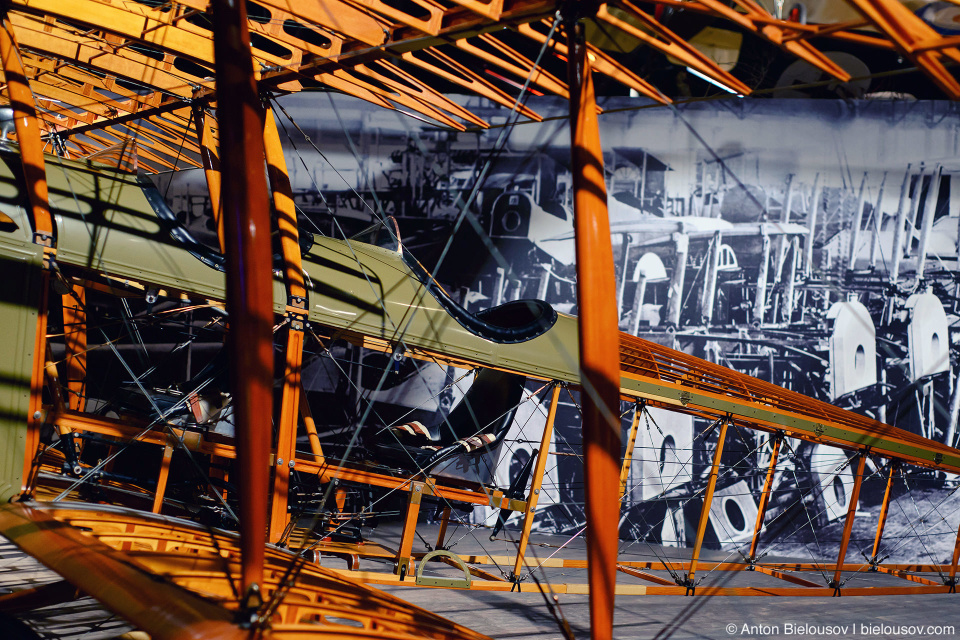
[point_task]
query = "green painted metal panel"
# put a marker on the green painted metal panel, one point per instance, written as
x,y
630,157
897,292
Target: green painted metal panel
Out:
x,y
19,301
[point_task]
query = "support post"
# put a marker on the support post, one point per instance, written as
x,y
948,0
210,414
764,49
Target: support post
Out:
x,y
877,223
708,299
286,433
444,523
707,500
246,215
211,166
811,227
75,342
681,243
856,223
765,496
404,566
296,313
28,137
926,226
162,478
790,291
537,481
628,453
598,330
624,261
34,170
913,212
785,212
884,510
638,304
311,428
896,252
848,524
953,563
760,301
783,243
543,287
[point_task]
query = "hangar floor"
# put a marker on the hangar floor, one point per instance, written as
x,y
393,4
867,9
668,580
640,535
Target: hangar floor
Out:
x,y
507,615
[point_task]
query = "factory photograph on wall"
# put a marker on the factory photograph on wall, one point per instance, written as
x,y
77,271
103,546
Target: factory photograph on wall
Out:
x,y
808,243
479,319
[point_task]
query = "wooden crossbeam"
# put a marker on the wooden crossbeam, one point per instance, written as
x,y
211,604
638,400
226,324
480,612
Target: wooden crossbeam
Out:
x,y
126,64
663,39
914,38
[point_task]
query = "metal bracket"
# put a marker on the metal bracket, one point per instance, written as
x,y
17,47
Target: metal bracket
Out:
x,y
43,238
296,312
438,581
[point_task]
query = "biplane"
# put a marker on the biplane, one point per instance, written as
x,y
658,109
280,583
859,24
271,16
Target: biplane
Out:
x,y
116,89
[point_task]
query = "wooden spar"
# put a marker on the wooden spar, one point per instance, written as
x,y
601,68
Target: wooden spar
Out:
x,y
848,523
442,534
536,483
765,496
246,214
311,427
404,562
598,334
884,511
638,408
162,478
707,500
296,308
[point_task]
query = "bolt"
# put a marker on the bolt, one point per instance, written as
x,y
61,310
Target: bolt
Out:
x,y
279,462
37,415
292,463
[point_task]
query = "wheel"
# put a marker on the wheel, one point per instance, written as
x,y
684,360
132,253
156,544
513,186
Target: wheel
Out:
x,y
832,489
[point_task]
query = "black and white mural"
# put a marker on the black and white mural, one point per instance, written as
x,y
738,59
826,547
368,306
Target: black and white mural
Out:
x,y
811,243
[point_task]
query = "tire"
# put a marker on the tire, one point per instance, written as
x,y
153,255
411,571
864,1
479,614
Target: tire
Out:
x,y
831,489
